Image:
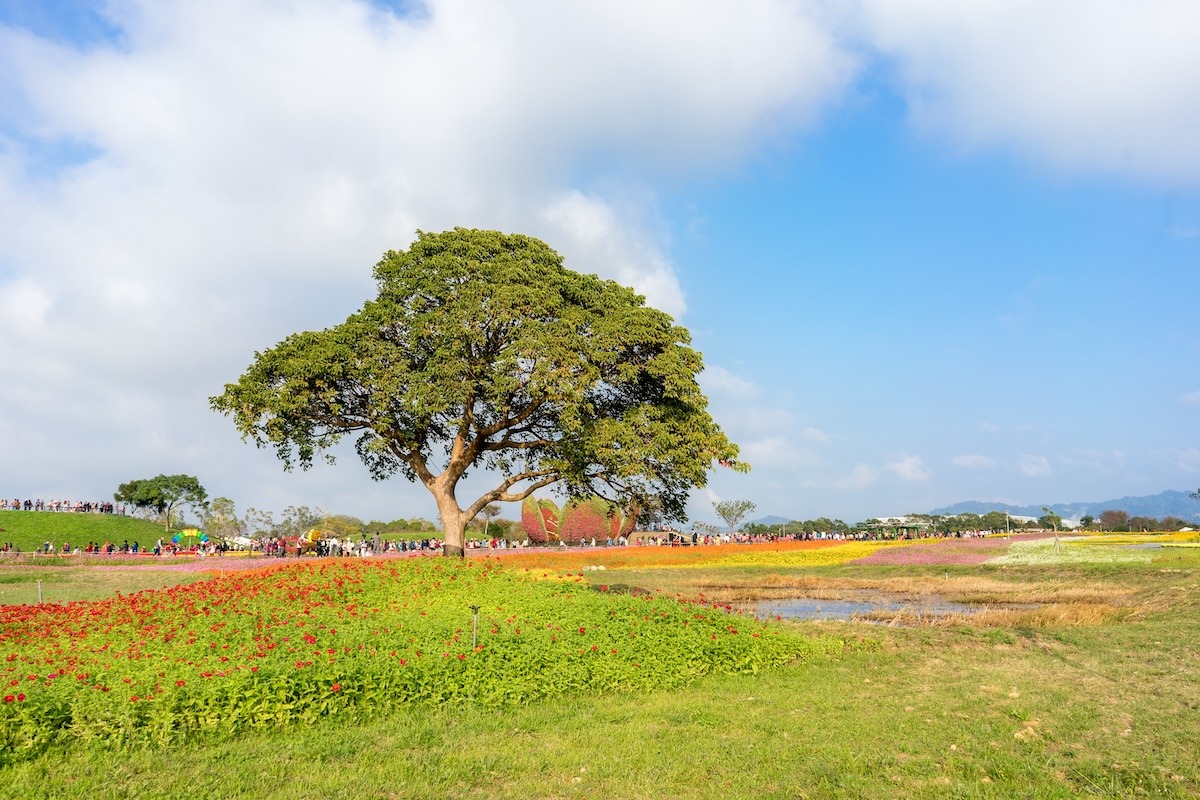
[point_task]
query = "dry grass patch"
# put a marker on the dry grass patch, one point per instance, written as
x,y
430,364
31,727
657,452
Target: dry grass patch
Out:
x,y
961,589
1047,616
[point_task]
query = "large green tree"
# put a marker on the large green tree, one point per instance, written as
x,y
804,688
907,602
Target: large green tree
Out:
x,y
162,494
482,351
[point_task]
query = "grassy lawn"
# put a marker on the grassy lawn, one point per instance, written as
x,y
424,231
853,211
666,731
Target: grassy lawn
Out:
x,y
66,584
1098,698
29,529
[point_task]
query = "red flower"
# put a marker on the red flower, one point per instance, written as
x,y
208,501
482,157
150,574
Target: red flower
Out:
x,y
604,587
21,697
583,630
8,698
180,683
337,687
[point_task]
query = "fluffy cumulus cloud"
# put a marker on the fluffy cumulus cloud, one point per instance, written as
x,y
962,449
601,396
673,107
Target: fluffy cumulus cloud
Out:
x,y
780,453
858,478
1112,86
909,468
216,175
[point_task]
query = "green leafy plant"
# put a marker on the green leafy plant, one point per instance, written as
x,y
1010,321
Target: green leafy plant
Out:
x,y
289,645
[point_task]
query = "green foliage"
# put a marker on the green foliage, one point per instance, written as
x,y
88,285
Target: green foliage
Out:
x,y
1049,519
220,519
288,646
27,530
482,351
162,494
793,527
733,511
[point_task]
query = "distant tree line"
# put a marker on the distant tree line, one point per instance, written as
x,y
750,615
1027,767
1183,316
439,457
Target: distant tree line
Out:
x,y
220,519
796,527
1117,520
994,521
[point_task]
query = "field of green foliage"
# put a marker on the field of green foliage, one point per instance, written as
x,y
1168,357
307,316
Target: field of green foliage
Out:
x,y
369,678
293,644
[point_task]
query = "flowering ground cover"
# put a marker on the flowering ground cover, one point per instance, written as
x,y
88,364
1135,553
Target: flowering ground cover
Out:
x,y
1067,550
1168,537
784,553
295,643
949,552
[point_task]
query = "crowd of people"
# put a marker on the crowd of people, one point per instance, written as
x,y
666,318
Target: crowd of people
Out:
x,y
335,547
77,506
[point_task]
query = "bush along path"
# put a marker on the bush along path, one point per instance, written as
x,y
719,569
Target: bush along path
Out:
x,y
291,644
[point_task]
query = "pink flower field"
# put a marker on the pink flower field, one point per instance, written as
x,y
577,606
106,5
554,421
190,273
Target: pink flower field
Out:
x,y
951,552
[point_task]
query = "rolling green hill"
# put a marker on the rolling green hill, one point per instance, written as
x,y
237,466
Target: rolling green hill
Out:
x,y
28,530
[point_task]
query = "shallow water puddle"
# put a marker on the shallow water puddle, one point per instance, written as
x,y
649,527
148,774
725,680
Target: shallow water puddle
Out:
x,y
810,608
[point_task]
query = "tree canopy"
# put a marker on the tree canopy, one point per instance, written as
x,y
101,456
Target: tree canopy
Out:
x,y
482,350
162,494
733,511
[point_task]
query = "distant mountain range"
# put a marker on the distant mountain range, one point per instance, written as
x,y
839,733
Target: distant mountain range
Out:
x,y
1164,504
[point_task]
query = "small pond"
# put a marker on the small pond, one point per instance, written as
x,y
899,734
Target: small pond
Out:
x,y
810,608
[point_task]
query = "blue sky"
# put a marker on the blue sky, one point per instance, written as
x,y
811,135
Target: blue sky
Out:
x,y
931,251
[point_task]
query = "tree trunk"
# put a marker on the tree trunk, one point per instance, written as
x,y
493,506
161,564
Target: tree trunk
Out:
x,y
454,524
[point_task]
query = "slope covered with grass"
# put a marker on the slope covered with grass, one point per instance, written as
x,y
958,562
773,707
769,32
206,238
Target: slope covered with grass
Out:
x,y
28,530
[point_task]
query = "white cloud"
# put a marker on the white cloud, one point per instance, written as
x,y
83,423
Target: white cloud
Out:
x,y
1112,86
1192,399
778,452
242,165
973,461
23,309
718,380
813,435
909,468
860,477
1035,466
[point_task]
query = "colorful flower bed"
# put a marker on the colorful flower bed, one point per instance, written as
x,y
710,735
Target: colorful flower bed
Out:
x,y
949,552
577,521
1134,538
784,553
1067,551
813,554
294,643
